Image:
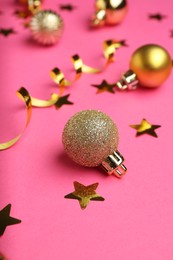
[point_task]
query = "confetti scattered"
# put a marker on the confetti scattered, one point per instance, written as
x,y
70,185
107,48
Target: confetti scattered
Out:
x,y
6,32
157,16
145,128
67,7
6,219
63,101
84,194
104,87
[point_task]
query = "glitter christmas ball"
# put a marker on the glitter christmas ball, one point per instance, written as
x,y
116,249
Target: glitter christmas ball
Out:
x,y
89,137
46,27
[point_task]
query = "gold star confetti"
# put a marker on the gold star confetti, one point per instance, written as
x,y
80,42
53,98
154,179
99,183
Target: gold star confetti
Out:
x,y
63,101
6,32
104,87
67,7
157,16
84,194
145,128
6,219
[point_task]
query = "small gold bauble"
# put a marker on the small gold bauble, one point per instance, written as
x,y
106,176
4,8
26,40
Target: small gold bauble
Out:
x,y
152,64
109,12
46,27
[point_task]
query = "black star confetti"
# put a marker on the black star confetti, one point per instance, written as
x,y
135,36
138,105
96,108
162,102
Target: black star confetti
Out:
x,y
123,43
84,194
145,128
104,87
2,257
6,32
63,101
6,219
67,7
157,16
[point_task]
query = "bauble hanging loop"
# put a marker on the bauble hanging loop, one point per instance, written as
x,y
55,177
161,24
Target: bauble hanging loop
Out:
x,y
150,65
109,12
90,138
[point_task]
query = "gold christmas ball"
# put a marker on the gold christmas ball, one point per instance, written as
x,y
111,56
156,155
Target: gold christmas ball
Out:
x,y
152,64
109,12
46,27
89,137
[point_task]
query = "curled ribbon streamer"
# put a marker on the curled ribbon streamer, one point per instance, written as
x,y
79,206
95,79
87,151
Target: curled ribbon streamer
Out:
x,y
58,77
24,95
45,103
109,48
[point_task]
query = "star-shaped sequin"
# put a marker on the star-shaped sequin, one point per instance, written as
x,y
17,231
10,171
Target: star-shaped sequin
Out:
x,y
2,257
67,7
22,14
63,101
157,16
104,87
84,194
123,43
145,128
6,32
6,219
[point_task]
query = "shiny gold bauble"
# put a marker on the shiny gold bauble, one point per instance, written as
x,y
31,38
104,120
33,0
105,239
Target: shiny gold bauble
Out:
x,y
109,12
152,64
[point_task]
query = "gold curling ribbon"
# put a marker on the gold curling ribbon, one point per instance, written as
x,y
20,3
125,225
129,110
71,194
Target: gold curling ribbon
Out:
x,y
109,48
24,95
45,103
58,77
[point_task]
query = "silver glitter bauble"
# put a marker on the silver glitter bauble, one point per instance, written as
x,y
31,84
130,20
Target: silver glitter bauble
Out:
x,y
46,27
89,137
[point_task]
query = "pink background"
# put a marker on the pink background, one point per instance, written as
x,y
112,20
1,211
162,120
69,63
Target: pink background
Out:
x,y
136,219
